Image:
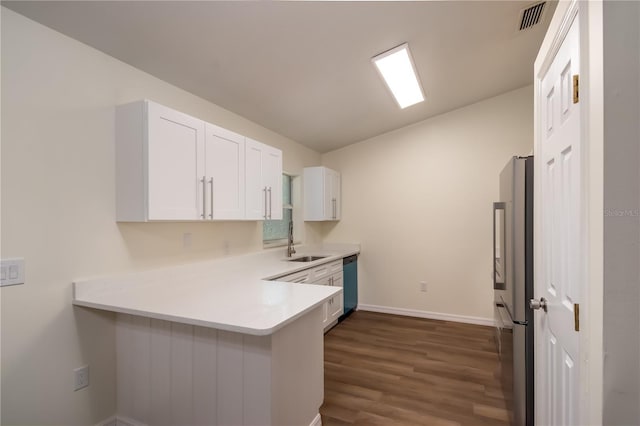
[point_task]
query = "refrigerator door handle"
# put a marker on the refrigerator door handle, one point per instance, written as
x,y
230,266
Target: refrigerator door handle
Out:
x,y
499,273
506,308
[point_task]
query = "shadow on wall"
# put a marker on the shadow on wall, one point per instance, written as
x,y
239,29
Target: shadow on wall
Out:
x,y
96,336
152,244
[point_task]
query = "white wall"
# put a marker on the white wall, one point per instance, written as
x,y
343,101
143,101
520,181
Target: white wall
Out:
x,y
419,200
58,209
621,333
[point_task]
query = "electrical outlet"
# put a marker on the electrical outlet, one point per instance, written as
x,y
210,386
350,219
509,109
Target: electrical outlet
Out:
x,y
186,240
423,286
12,271
80,377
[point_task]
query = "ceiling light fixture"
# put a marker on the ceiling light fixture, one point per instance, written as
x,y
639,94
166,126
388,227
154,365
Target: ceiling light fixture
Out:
x,y
397,69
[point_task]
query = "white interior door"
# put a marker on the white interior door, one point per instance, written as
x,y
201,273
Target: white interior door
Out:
x,y
559,270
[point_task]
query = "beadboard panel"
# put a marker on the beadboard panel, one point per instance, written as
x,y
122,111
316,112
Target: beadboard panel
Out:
x,y
298,370
205,390
160,364
257,366
179,374
229,378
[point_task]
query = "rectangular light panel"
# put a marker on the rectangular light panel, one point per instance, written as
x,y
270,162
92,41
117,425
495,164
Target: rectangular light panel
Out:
x,y
396,68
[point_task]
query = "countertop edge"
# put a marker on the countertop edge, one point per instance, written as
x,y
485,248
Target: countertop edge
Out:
x,y
89,293
208,324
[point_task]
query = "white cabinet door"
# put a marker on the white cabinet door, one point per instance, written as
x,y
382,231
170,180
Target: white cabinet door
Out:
x,y
325,307
336,303
175,164
336,194
272,160
327,194
263,181
171,166
256,192
225,174
321,194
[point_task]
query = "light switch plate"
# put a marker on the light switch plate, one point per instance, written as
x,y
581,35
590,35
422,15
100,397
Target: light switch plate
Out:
x,y
12,271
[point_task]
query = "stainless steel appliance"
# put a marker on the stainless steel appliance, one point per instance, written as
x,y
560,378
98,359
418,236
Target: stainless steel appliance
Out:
x,y
513,286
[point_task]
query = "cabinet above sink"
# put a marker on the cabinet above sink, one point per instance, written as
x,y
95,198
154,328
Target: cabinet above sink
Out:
x,y
322,194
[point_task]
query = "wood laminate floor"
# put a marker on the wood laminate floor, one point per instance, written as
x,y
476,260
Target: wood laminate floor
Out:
x,y
385,369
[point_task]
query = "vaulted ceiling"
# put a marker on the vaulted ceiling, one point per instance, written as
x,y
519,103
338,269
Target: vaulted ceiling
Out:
x,y
303,69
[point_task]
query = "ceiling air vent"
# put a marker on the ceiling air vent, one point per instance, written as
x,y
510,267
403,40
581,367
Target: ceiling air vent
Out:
x,y
531,15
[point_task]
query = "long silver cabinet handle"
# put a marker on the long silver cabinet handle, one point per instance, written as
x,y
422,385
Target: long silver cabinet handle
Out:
x,y
270,203
264,190
334,208
211,194
499,285
204,195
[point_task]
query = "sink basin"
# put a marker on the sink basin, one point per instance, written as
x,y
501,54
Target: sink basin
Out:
x,y
306,258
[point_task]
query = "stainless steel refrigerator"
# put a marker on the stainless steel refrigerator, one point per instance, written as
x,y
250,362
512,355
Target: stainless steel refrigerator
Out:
x,y
513,286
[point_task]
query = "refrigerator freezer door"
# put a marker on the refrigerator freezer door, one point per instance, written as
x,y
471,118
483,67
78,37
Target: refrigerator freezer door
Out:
x,y
516,192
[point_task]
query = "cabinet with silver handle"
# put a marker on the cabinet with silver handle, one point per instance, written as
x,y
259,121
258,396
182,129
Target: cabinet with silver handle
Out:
x,y
223,185
322,194
263,181
165,160
329,274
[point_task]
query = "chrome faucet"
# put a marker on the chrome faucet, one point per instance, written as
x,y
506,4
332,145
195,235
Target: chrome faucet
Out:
x,y
290,248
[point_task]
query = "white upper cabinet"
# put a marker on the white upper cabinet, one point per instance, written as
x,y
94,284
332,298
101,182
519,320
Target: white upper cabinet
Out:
x,y
322,194
263,181
225,174
174,167
159,161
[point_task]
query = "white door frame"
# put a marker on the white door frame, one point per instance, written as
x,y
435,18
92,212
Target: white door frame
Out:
x,y
592,131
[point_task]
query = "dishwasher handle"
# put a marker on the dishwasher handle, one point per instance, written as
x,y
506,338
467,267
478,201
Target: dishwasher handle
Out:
x,y
350,259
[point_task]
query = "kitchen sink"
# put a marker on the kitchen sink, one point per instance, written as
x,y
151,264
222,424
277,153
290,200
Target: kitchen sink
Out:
x,y
306,258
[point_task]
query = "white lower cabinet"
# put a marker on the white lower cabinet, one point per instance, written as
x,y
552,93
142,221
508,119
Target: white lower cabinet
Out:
x,y
329,274
336,303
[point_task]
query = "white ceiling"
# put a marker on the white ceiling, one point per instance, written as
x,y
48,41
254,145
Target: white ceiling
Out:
x,y
303,69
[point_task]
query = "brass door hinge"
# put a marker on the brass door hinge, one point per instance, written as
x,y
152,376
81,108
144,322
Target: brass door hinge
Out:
x,y
576,89
576,316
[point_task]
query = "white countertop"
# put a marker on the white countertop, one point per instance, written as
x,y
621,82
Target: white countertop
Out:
x,y
232,293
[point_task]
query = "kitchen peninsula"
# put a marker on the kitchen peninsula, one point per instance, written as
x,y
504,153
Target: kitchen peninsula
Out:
x,y
219,342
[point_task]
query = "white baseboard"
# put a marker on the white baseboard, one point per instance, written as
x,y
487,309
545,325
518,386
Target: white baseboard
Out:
x,y
120,421
124,421
111,421
317,420
426,314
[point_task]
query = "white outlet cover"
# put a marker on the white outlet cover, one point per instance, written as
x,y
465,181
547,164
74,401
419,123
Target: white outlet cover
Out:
x,y
80,377
12,271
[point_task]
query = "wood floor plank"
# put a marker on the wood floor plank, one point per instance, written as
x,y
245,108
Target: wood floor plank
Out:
x,y
385,369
